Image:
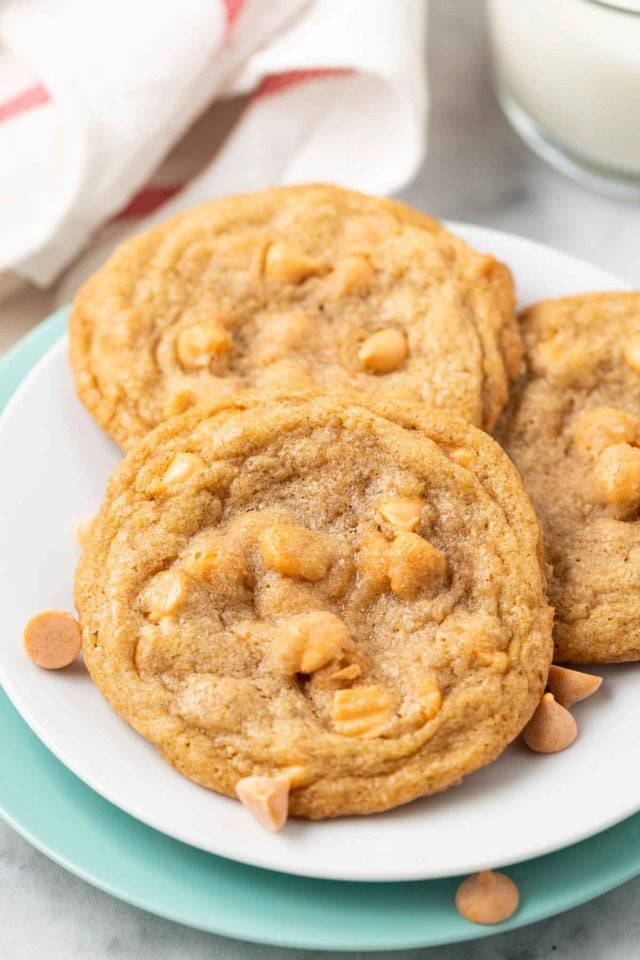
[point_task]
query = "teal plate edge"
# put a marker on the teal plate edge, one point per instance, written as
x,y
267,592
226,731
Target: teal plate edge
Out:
x,y
70,823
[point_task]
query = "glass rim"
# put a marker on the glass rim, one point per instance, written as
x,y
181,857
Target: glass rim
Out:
x,y
618,6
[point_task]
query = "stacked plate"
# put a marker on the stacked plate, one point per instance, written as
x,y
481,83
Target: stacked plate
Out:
x,y
112,811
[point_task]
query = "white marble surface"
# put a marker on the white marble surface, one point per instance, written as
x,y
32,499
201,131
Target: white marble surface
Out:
x,y
478,171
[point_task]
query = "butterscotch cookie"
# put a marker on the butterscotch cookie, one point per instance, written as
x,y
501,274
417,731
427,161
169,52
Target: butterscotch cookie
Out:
x,y
293,287
573,430
333,594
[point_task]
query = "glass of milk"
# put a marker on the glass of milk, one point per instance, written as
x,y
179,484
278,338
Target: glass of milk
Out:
x,y
568,79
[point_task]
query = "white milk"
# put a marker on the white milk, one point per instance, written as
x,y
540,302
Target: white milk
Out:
x,y
573,66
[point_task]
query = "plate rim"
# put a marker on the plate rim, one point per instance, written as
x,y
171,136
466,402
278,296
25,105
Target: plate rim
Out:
x,y
480,235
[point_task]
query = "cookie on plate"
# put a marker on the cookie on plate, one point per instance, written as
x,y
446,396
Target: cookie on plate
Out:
x,y
343,587
293,287
573,430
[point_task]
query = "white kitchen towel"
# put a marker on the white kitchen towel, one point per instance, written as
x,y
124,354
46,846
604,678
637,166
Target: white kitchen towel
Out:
x,y
114,115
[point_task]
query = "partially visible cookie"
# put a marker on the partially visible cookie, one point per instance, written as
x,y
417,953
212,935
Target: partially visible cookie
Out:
x,y
340,593
573,430
289,288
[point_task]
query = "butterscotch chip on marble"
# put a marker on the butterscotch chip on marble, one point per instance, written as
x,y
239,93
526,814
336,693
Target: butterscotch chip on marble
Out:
x,y
572,429
293,287
260,615
487,897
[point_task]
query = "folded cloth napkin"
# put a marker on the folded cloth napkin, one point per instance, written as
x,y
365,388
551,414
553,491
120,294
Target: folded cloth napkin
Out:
x,y
115,115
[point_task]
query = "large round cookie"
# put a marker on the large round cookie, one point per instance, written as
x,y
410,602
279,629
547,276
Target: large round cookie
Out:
x,y
285,288
334,584
573,430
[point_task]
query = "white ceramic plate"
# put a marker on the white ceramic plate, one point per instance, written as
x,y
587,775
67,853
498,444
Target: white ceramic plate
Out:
x,y
55,462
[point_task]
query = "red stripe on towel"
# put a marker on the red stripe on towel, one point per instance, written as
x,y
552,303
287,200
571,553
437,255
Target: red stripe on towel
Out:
x,y
148,200
232,9
283,81
26,100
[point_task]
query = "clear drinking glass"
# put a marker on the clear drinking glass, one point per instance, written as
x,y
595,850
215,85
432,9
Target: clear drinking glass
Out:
x,y
567,76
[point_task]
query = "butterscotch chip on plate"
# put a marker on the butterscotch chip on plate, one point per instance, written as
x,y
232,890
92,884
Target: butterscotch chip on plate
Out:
x,y
290,288
551,728
52,639
276,617
571,686
573,430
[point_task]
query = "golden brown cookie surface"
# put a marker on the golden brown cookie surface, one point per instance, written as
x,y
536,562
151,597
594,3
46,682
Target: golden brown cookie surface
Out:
x,y
289,288
317,587
573,430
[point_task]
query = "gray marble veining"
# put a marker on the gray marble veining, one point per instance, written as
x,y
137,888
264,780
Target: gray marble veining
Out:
x,y
478,171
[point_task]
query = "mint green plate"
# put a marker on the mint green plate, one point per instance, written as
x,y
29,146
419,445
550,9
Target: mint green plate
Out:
x,y
74,826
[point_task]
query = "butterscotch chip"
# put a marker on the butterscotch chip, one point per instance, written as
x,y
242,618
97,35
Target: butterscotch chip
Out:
x,y
384,350
295,551
415,566
574,438
163,595
632,352
200,343
352,275
286,264
571,686
307,642
52,639
256,618
267,798
372,559
177,402
361,711
183,466
403,513
551,728
617,477
206,304
487,897
347,673
601,427
560,359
